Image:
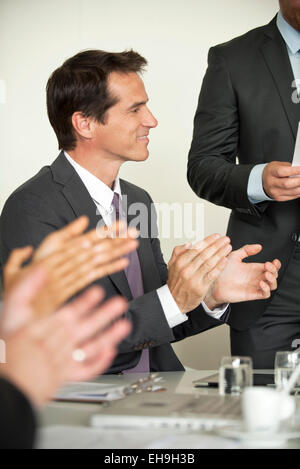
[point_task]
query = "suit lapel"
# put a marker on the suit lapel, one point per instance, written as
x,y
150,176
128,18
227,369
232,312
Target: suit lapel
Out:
x,y
277,60
81,202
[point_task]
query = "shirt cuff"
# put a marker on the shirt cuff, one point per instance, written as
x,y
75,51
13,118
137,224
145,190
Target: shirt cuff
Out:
x,y
255,188
173,314
217,312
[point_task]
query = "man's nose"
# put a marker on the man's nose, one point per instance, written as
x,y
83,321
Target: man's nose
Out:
x,y
149,119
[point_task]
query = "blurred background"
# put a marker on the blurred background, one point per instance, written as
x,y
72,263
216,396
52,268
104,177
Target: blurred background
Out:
x,y
36,36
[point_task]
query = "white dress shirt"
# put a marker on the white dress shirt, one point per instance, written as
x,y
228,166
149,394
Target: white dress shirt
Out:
x,y
102,196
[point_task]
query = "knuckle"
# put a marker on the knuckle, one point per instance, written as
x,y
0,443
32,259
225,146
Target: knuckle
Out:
x,y
286,184
185,273
209,263
176,250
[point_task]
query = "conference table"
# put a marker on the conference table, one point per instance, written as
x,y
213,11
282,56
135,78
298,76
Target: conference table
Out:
x,y
110,425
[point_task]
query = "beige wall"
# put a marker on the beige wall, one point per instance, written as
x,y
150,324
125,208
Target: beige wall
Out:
x,y
174,35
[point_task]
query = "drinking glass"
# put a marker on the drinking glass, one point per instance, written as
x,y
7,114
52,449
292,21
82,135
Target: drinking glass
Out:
x,y
235,374
285,363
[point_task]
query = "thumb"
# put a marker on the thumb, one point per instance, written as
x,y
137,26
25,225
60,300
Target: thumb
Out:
x,y
17,309
14,264
247,250
24,292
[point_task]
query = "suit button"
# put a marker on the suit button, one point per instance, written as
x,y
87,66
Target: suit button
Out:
x,y
294,237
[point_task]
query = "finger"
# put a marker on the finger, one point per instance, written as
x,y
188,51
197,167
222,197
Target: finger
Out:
x,y
60,237
64,288
108,269
270,267
282,198
214,273
285,170
86,371
115,247
270,279
83,304
24,292
15,262
204,243
100,319
177,251
72,230
246,251
66,261
265,289
118,229
277,264
18,257
100,352
281,192
257,293
17,310
110,338
209,258
205,249
290,185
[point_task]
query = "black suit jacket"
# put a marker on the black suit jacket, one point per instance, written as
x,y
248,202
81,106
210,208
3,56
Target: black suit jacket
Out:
x,y
55,197
245,111
17,420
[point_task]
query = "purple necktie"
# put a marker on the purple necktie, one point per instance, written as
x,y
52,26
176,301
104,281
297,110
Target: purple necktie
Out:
x,y
134,277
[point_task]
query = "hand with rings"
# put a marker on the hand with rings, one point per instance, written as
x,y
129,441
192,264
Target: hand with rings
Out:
x,y
76,343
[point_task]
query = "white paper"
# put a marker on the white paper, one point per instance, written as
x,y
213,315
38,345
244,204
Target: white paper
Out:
x,y
296,157
92,392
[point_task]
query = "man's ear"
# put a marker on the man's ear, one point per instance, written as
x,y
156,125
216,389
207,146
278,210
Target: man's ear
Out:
x,y
83,125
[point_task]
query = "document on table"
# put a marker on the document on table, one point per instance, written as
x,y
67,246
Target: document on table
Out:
x,y
296,157
90,392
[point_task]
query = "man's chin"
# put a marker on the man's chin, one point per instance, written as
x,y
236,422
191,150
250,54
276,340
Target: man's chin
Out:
x,y
142,156
138,157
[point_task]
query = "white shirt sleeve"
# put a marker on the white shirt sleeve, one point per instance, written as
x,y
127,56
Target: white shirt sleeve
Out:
x,y
217,312
255,188
173,314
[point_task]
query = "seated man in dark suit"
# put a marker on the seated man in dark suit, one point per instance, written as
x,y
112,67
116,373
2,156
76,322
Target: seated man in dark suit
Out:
x,y
97,106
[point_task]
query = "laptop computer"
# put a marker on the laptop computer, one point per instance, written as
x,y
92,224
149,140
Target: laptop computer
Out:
x,y
175,411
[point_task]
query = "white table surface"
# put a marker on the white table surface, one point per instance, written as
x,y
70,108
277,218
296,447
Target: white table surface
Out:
x,y
67,425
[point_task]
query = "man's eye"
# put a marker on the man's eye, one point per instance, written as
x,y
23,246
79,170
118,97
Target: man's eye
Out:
x,y
135,110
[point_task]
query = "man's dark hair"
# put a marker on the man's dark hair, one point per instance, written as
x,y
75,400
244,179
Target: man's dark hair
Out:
x,y
80,84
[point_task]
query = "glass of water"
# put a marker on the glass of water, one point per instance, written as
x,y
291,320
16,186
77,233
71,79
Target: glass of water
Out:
x,y
235,374
285,363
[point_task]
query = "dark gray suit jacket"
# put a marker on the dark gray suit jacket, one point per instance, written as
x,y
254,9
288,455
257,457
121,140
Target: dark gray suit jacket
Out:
x,y
245,111
55,197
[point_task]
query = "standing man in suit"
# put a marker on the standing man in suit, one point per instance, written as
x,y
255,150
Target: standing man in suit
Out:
x,y
248,109
97,106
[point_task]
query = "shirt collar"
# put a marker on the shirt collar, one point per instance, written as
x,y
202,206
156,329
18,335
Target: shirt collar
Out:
x,y
100,192
289,34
